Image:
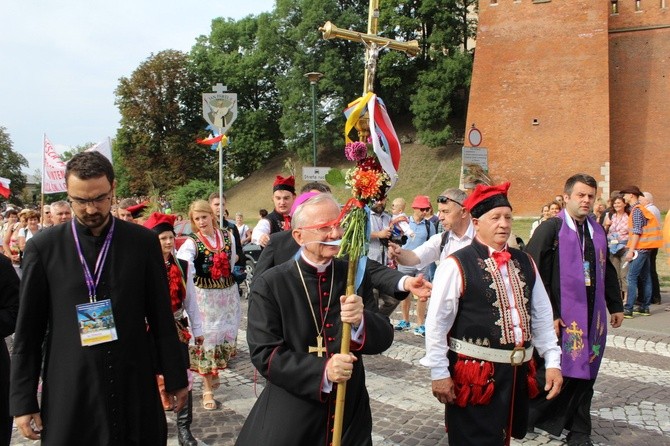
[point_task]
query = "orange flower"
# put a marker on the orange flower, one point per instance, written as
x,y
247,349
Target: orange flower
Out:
x,y
366,184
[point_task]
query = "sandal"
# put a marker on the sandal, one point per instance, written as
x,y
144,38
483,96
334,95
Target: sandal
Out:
x,y
216,382
208,403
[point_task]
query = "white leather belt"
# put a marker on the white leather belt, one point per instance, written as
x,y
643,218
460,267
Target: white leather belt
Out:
x,y
513,357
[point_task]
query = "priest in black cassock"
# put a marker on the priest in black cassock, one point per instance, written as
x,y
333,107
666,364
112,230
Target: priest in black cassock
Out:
x,y
89,289
295,320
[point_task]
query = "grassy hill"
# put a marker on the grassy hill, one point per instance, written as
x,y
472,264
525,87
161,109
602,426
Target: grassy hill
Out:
x,y
423,171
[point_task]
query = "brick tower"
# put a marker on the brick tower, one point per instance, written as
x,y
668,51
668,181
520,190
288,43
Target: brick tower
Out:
x,y
567,86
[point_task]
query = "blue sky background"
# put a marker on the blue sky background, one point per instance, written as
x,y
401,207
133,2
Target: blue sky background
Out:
x,y
61,61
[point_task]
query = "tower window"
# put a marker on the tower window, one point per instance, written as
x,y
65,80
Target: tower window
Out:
x,y
638,5
615,6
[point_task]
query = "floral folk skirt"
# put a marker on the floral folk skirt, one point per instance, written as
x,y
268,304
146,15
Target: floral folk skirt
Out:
x,y
220,314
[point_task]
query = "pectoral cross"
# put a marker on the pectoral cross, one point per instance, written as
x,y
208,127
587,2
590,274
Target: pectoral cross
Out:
x,y
319,349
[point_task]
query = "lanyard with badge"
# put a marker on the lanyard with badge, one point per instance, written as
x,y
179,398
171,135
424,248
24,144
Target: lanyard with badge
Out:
x,y
586,265
95,318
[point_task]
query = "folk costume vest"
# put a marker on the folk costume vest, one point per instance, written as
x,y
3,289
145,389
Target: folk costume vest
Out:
x,y
484,316
176,281
205,260
651,236
582,340
485,319
278,222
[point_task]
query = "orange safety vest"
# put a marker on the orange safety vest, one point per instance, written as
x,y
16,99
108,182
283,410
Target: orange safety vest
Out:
x,y
651,236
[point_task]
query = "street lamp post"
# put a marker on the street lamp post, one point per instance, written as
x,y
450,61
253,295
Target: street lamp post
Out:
x,y
313,79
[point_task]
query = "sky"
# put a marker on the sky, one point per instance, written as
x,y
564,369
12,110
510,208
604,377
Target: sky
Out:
x,y
60,61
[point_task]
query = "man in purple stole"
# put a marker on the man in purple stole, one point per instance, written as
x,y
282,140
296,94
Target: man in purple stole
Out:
x,y
570,251
487,313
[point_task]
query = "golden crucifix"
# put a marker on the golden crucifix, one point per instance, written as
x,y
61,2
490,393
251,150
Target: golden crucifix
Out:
x,y
373,45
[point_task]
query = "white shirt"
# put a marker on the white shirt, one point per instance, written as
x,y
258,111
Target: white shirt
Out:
x,y
443,307
429,251
263,227
191,306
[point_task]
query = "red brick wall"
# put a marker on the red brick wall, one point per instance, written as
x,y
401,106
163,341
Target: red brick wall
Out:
x,y
640,98
549,62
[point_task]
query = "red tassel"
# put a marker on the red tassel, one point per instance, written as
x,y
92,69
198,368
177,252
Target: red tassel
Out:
x,y
533,389
473,381
488,383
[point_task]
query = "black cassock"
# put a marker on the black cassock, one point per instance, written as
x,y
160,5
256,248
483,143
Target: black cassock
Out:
x,y
292,409
104,394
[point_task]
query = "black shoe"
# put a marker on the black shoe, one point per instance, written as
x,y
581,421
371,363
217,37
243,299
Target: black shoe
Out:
x,y
627,314
579,439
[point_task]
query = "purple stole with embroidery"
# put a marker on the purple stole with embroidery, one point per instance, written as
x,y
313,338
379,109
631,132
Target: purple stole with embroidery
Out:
x,y
582,350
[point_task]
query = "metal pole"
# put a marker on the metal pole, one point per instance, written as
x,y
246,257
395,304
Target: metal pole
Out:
x,y
313,85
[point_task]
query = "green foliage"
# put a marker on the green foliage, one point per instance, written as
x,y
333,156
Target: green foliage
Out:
x,y
11,163
181,197
264,60
160,107
438,89
68,154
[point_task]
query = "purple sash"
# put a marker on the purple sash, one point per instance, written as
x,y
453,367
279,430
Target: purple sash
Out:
x,y
582,350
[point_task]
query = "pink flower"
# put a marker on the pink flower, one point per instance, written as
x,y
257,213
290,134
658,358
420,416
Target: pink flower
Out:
x,y
355,151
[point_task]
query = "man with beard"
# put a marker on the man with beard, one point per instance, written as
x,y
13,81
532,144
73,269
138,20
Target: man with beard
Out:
x,y
283,196
89,289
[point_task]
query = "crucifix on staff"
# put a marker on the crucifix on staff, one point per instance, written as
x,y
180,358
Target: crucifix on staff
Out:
x,y
368,115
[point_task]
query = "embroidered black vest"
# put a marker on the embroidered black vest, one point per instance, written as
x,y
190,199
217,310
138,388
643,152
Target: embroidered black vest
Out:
x,y
203,263
276,222
484,317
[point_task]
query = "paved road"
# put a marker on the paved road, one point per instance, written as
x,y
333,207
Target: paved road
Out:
x,y
631,405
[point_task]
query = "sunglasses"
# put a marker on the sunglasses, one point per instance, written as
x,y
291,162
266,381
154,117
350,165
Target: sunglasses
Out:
x,y
424,209
444,200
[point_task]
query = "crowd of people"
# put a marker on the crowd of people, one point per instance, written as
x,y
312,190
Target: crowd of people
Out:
x,y
113,321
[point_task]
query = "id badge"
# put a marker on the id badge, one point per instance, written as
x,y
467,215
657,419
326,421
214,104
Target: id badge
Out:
x,y
96,323
587,273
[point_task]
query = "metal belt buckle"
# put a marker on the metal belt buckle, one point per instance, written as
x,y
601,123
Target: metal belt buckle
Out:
x,y
514,357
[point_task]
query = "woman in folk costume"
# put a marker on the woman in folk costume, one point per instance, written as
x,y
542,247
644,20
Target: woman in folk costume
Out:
x,y
182,297
210,253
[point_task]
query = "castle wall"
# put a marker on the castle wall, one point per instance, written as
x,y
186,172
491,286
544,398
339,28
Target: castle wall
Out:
x,y
639,51
540,95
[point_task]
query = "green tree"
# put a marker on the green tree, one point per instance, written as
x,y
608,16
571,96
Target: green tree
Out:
x,y
11,163
236,55
439,88
160,106
182,196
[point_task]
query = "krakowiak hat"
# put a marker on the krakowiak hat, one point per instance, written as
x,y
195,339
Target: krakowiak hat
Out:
x,y
631,190
484,198
136,211
421,202
282,183
160,223
301,199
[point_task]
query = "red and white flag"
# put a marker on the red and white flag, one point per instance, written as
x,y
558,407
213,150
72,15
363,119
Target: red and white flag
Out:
x,y
53,170
4,187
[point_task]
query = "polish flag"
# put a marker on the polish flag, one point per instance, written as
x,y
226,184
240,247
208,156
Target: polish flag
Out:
x,y
211,140
4,187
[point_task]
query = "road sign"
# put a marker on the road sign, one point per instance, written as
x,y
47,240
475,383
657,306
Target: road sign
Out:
x,y
219,108
314,173
475,136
